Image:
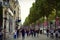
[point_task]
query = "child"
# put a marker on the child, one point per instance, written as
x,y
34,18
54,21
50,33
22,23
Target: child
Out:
x,y
15,35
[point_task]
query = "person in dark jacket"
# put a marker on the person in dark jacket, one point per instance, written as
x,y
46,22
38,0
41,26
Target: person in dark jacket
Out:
x,y
23,33
32,32
18,33
47,31
27,32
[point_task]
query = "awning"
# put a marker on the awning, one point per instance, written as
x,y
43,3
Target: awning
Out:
x,y
18,20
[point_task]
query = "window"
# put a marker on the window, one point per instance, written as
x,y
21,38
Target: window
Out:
x,y
6,3
14,12
0,4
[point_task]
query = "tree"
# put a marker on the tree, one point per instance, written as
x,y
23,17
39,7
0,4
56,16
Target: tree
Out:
x,y
26,21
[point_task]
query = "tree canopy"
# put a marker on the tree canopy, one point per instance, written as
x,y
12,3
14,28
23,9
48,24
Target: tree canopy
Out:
x,y
42,8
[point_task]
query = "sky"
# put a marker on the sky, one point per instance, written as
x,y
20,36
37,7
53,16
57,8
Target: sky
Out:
x,y
25,6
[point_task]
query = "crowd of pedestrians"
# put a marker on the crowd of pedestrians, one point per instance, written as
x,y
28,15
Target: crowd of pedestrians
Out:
x,y
27,31
34,32
53,33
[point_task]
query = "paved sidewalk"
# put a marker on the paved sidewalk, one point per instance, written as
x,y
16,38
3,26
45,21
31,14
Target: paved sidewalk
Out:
x,y
40,37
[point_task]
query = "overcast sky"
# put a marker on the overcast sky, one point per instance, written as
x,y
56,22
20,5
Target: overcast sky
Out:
x,y
25,8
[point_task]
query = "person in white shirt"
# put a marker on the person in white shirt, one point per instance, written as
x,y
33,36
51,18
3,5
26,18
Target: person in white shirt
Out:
x,y
15,34
52,33
56,33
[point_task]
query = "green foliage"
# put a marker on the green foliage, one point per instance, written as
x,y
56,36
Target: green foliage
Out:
x,y
52,15
42,8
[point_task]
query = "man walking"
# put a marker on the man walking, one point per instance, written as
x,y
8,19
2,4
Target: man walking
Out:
x,y
23,33
47,31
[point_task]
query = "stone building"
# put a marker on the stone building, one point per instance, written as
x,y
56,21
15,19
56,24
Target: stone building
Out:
x,y
10,16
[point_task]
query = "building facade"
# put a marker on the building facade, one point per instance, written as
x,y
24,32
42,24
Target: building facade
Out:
x,y
10,16
17,15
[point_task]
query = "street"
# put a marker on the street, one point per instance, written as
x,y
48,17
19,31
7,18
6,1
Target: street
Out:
x,y
40,37
31,17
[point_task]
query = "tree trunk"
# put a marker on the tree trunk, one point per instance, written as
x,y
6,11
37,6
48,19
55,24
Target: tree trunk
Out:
x,y
47,23
43,24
